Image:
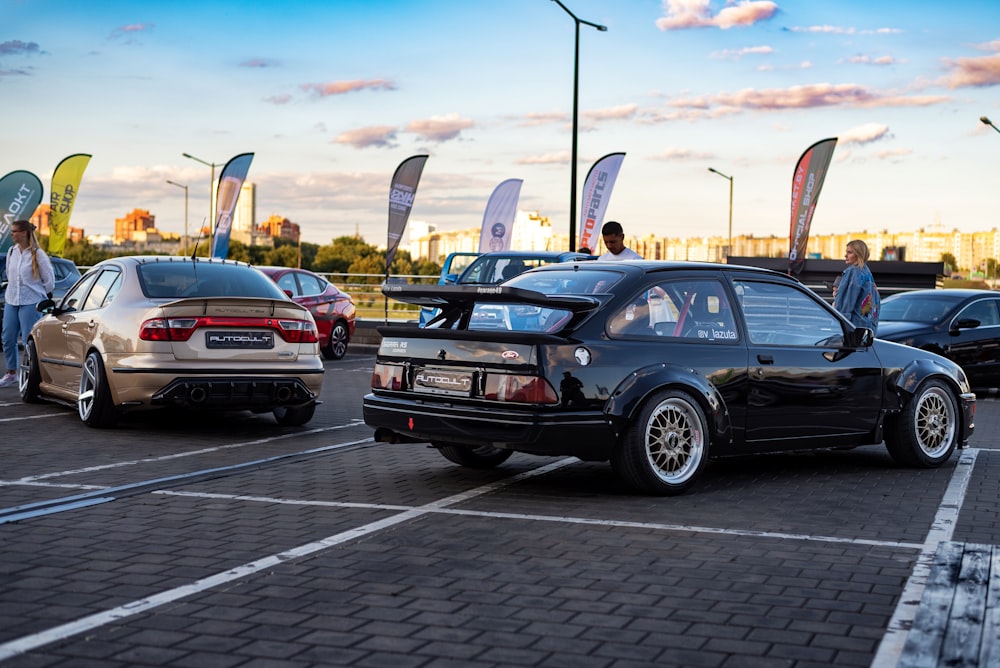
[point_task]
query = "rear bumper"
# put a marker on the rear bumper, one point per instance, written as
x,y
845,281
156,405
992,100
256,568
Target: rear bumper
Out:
x,y
236,393
587,435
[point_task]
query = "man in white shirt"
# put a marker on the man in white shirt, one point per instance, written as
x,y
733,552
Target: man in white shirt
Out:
x,y
614,240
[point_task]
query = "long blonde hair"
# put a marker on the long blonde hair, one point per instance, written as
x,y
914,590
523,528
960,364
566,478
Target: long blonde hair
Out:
x,y
860,249
27,226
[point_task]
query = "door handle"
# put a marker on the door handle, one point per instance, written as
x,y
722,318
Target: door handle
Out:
x,y
765,359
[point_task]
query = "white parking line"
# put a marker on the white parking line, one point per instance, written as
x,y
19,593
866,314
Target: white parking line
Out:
x,y
178,455
942,529
648,526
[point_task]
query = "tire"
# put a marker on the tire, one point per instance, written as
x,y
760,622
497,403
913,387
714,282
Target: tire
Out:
x,y
93,402
482,457
294,416
666,447
29,377
336,347
926,432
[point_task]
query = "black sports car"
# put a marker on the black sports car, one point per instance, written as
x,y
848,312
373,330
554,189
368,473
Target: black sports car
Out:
x,y
962,325
655,366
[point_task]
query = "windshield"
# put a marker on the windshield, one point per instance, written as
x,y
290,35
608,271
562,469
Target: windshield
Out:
x,y
915,308
490,269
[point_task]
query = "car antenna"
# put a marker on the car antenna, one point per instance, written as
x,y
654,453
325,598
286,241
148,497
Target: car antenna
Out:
x,y
194,253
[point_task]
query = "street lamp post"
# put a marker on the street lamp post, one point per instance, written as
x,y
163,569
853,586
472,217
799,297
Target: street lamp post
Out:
x,y
184,243
986,121
729,248
576,103
211,197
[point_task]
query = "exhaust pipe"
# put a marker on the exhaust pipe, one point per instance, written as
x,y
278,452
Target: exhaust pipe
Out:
x,y
197,395
283,393
383,435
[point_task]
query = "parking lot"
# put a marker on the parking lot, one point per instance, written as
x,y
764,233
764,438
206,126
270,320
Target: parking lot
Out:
x,y
231,541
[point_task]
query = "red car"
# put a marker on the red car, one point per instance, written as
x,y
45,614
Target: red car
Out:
x,y
332,308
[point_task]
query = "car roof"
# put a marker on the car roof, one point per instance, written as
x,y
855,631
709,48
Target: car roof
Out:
x,y
136,260
653,266
545,255
955,294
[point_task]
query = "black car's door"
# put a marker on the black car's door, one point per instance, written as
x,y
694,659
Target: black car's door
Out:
x,y
976,349
803,384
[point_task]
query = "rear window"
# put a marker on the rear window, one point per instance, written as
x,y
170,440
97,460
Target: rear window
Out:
x,y
489,269
176,280
568,281
517,318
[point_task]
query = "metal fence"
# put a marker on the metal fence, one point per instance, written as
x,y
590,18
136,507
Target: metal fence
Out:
x,y
371,304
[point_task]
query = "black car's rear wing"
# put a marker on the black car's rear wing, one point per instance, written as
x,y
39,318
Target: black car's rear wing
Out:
x,y
464,296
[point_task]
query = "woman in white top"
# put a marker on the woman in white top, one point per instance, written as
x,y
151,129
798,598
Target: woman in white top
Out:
x,y
29,281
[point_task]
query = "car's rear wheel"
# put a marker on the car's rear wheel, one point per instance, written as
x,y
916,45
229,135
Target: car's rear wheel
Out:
x,y
666,447
294,416
94,399
29,376
926,432
336,347
481,457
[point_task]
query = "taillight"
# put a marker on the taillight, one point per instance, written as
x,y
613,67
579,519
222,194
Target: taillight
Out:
x,y
168,329
387,377
519,389
181,329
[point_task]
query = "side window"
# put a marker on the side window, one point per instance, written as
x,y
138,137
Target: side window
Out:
x,y
697,309
985,311
73,300
101,290
287,282
782,315
311,285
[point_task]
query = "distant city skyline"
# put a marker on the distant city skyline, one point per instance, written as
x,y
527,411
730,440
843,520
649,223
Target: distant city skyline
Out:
x,y
332,96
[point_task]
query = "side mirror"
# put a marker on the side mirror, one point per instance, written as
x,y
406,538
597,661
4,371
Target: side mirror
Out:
x,y
964,323
45,306
859,337
289,293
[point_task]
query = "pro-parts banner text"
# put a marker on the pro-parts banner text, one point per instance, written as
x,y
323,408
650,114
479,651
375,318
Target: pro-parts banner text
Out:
x,y
596,194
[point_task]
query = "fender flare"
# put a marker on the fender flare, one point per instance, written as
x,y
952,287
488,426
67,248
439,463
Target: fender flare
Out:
x,y
628,398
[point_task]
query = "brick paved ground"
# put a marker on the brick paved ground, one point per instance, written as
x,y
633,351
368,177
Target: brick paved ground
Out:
x,y
391,556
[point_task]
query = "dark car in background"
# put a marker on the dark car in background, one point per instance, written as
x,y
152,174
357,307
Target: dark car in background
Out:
x,y
64,270
960,324
332,308
656,367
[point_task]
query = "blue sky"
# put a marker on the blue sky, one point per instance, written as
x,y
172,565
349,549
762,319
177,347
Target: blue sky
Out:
x,y
331,96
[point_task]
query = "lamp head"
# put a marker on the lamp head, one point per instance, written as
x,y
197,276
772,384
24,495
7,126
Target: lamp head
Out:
x,y
985,121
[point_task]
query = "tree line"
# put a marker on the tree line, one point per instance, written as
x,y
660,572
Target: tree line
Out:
x,y
343,255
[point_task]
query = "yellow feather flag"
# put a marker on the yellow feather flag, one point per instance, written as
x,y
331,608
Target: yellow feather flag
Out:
x,y
65,184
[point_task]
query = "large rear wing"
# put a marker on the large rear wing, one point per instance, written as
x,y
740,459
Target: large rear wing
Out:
x,y
464,296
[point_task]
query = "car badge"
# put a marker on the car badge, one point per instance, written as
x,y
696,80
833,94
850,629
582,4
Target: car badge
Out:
x,y
582,356
510,355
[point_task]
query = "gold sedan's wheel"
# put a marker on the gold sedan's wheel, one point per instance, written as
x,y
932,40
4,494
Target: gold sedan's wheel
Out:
x,y
93,401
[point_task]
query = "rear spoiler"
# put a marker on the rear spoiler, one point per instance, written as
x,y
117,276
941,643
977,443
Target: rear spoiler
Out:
x,y
439,296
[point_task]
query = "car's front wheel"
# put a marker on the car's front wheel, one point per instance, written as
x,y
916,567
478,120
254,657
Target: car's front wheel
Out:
x,y
481,457
93,401
29,376
336,347
294,416
926,432
666,446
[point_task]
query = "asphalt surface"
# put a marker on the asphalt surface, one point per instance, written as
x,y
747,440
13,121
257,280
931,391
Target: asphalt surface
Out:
x,y
177,540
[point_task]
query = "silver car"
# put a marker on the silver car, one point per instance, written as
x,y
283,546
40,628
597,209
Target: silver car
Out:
x,y
146,332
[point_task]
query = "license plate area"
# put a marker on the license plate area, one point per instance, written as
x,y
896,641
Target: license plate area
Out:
x,y
262,340
450,382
